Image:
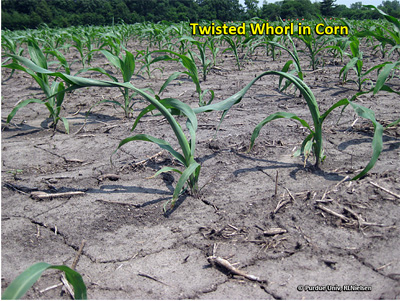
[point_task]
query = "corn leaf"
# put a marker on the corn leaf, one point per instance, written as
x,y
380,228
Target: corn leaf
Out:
x,y
272,117
383,75
26,279
21,105
172,77
194,167
165,169
377,142
161,143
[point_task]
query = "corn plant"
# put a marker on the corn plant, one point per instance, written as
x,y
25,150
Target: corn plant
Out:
x,y
84,46
205,63
184,43
213,48
295,62
269,42
313,143
10,46
112,41
191,172
393,31
380,83
384,75
54,92
147,61
126,66
356,63
234,46
315,46
26,279
189,63
61,59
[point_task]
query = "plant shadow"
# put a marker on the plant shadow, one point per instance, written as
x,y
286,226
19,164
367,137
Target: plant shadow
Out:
x,y
330,176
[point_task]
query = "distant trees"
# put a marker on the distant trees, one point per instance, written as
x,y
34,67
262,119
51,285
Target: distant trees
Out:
x,y
252,9
327,7
223,10
62,13
289,9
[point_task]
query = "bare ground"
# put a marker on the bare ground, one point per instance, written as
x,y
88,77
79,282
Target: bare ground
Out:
x,y
333,232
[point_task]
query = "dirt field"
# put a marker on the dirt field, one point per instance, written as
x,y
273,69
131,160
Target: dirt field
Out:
x,y
337,239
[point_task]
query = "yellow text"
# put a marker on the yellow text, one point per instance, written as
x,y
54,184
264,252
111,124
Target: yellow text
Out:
x,y
321,29
218,30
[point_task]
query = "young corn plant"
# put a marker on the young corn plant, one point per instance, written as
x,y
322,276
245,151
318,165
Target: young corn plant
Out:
x,y
126,66
21,284
380,83
54,92
10,45
356,63
313,143
191,169
211,44
269,42
205,63
83,43
189,63
316,44
234,46
147,61
392,29
191,172
286,67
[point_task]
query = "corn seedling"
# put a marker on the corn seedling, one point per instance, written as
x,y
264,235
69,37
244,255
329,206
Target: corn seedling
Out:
x,y
188,62
147,61
213,48
10,46
234,46
54,92
315,46
356,63
26,280
205,63
295,62
313,142
269,42
80,46
393,31
126,66
113,42
191,171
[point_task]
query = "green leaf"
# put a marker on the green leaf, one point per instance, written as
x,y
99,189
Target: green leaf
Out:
x,y
26,279
128,66
377,141
66,124
347,67
161,143
114,60
21,105
194,167
384,74
36,54
165,169
272,117
392,124
172,77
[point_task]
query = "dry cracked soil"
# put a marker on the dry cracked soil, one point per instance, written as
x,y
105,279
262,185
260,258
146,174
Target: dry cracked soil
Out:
x,y
306,233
